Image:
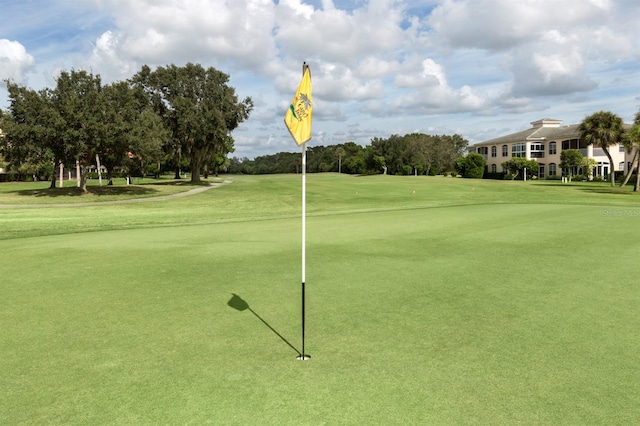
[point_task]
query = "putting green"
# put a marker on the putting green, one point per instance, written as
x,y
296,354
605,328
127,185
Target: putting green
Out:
x,y
512,313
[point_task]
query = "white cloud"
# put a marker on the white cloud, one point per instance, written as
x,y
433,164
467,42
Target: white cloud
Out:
x,y
504,24
378,66
338,35
15,62
431,92
158,33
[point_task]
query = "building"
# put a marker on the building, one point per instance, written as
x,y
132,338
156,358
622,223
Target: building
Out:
x,y
544,142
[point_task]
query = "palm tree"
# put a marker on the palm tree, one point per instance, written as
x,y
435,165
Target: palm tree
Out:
x,y
605,129
633,142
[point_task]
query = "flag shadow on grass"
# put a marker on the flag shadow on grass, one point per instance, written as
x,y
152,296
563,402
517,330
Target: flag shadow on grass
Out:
x,y
238,303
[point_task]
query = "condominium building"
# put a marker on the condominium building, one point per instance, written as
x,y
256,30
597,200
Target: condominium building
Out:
x,y
544,141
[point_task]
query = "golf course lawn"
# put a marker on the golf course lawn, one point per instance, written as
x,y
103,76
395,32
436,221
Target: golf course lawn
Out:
x,y
429,300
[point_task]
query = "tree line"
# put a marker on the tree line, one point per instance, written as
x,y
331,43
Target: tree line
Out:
x,y
175,115
414,153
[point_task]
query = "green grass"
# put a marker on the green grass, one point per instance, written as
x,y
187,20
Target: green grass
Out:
x,y
36,193
425,307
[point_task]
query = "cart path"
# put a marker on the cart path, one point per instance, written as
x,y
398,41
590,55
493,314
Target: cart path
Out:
x,y
129,201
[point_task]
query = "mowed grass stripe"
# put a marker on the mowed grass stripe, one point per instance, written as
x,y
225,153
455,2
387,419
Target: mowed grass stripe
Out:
x,y
279,196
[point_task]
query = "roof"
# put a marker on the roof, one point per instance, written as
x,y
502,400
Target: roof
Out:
x,y
541,130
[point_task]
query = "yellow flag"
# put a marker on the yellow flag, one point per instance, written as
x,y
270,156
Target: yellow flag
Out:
x,y
298,116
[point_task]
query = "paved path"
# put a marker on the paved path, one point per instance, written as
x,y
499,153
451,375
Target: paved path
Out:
x,y
129,201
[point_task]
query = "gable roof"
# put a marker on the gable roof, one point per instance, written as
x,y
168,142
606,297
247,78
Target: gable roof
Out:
x,y
547,129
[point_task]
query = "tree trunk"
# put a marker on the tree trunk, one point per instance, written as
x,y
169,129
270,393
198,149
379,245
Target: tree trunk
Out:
x,y
109,176
611,167
84,173
197,158
637,185
54,177
195,168
634,164
195,175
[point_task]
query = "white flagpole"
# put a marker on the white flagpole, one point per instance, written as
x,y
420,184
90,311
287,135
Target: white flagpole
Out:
x,y
304,210
303,355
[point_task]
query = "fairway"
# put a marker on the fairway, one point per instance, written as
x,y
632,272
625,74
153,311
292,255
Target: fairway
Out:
x,y
429,301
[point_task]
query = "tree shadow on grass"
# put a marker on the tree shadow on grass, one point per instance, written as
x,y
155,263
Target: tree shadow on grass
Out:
x,y
596,189
95,190
613,190
186,182
237,303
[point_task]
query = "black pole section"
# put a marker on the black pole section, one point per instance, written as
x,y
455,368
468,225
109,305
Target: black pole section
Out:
x,y
304,354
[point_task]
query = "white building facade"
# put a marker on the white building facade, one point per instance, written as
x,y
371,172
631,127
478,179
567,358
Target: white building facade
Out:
x,y
544,142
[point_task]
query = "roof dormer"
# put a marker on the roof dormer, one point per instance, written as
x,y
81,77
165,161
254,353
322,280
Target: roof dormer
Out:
x,y
546,122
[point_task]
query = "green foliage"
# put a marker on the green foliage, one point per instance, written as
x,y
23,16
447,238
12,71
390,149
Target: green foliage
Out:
x,y
399,155
516,167
604,129
78,120
495,176
472,166
431,154
199,108
571,160
30,129
319,159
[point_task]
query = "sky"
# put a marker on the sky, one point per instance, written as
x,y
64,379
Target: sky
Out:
x,y
478,68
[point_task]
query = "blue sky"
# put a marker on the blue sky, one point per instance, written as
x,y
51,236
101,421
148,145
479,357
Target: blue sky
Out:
x,y
479,68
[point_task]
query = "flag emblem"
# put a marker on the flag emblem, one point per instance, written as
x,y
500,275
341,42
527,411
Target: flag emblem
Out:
x,y
299,115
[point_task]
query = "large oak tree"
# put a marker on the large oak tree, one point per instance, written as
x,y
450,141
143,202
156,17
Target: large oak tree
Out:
x,y
199,108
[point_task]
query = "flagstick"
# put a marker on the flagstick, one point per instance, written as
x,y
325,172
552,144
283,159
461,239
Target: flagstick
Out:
x,y
303,355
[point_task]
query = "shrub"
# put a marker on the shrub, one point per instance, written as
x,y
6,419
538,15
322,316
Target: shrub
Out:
x,y
496,175
472,166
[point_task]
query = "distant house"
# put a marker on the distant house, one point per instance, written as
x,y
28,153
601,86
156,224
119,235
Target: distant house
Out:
x,y
544,141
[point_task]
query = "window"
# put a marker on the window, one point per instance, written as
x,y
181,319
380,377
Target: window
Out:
x,y
541,171
621,166
494,151
552,169
571,144
494,168
518,150
552,148
505,150
622,149
537,150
